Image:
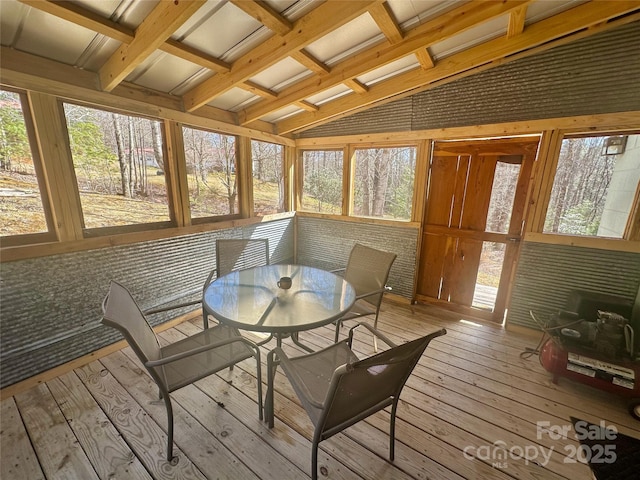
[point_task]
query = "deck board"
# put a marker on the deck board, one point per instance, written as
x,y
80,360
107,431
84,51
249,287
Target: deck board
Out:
x,y
471,392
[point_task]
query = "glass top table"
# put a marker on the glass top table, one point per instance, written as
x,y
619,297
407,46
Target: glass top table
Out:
x,y
252,300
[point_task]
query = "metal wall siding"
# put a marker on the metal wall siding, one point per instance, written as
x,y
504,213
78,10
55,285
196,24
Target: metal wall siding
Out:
x,y
327,243
547,273
51,306
595,75
392,117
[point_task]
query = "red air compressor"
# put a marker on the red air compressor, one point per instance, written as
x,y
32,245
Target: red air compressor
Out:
x,y
594,343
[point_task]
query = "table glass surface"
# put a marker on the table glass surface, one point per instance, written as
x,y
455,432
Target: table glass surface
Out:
x,y
251,299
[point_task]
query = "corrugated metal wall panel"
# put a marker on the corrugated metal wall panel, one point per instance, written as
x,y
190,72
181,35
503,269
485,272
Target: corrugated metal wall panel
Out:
x,y
547,273
599,74
392,117
327,243
51,306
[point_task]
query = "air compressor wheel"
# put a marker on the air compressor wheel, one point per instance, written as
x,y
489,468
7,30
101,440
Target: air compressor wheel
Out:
x,y
634,408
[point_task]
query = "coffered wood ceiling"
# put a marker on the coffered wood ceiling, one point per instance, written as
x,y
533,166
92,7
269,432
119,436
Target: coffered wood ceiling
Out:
x,y
283,66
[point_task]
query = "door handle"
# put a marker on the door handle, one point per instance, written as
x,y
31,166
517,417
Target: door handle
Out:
x,y
515,239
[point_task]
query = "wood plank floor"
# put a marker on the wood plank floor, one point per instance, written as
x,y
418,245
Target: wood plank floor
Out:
x,y
471,410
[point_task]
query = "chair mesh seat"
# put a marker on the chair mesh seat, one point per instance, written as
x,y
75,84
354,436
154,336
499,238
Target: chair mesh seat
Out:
x,y
188,370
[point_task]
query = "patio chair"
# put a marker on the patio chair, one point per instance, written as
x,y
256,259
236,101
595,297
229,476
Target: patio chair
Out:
x,y
231,254
338,390
238,254
368,271
183,362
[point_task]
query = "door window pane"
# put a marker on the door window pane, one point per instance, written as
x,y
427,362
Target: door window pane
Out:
x,y
594,186
322,181
119,167
211,172
268,177
503,193
383,182
21,207
489,272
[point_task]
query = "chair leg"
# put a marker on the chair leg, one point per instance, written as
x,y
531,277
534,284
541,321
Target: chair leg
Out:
x,y
314,460
167,403
259,377
375,339
338,325
205,318
392,431
271,373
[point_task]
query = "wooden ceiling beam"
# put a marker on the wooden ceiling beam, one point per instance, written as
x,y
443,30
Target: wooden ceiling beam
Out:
x,y
383,16
258,90
516,21
266,15
356,86
425,59
309,107
154,30
541,35
317,23
309,61
445,26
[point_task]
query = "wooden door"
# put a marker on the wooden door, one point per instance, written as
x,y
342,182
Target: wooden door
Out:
x,y
465,180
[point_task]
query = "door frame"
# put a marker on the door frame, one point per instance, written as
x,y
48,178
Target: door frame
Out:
x,y
528,148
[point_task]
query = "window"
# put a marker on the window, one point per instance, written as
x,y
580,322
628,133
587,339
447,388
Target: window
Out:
x,y
383,182
322,181
268,177
211,173
595,185
119,167
21,205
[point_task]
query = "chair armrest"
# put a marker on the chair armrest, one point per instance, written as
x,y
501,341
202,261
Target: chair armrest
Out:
x,y
373,292
196,351
209,279
374,331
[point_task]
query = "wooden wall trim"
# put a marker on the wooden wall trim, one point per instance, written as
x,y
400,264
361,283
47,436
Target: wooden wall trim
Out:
x,y
10,254
613,244
373,221
611,122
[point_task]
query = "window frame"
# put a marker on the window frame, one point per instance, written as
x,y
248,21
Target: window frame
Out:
x,y
39,237
184,185
346,178
380,146
283,172
556,137
96,232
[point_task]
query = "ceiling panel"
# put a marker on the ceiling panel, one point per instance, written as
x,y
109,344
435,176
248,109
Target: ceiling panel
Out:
x,y
163,72
280,75
470,38
234,99
389,70
218,30
347,39
41,35
12,14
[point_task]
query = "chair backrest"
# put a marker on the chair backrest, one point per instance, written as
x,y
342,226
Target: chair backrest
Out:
x,y
359,389
368,270
238,254
123,313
